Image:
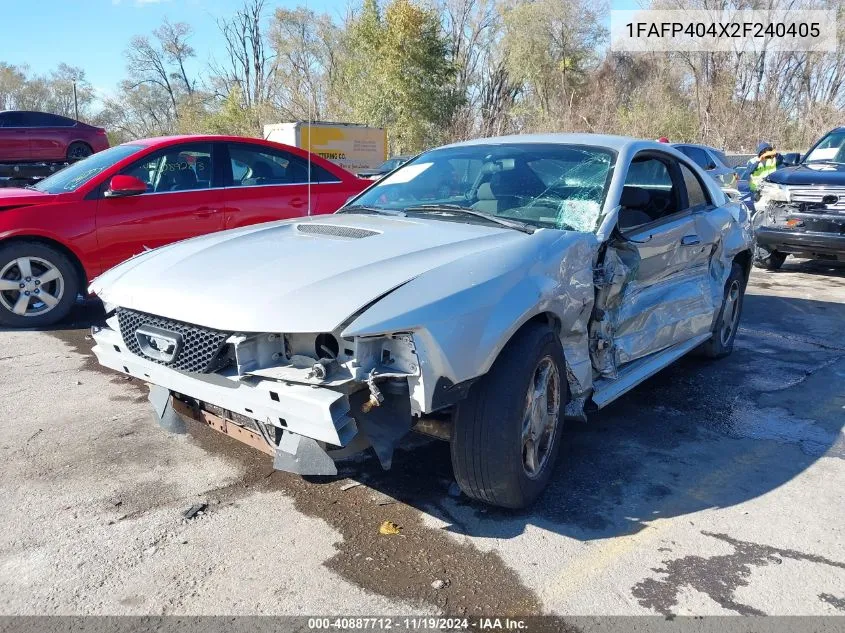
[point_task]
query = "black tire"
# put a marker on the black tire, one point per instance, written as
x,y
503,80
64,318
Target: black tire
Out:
x,y
42,258
768,260
78,150
721,344
487,440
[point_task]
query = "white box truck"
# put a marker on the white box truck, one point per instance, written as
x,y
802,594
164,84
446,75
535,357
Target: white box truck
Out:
x,y
350,145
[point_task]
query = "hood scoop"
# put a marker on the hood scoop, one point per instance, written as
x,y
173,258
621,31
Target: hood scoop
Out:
x,y
332,230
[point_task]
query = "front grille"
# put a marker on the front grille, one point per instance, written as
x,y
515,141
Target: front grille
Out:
x,y
817,195
333,230
202,348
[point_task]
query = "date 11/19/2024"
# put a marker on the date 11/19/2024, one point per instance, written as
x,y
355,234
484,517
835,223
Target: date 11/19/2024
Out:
x,y
415,623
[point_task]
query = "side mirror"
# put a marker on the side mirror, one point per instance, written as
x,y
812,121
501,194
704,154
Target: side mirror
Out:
x,y
121,186
791,159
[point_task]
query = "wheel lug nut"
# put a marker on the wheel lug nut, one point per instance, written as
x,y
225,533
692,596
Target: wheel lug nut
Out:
x,y
37,282
37,291
22,286
29,278
26,293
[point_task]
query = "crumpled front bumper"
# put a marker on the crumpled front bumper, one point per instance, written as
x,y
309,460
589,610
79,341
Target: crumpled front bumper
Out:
x,y
793,241
800,228
306,418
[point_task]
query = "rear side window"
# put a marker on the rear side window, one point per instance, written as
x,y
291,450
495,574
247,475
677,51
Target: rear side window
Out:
x,y
695,191
321,174
720,156
698,155
43,119
260,166
15,119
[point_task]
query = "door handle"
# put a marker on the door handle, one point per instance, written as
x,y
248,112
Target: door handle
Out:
x,y
690,240
205,212
297,202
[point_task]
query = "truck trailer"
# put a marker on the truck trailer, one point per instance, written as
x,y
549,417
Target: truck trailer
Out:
x,y
350,145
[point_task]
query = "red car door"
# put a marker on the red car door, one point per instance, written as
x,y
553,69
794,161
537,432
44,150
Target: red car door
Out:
x,y
182,201
14,137
48,136
266,184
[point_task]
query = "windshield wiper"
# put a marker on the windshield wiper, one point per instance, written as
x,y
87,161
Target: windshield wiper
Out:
x,y
360,208
452,209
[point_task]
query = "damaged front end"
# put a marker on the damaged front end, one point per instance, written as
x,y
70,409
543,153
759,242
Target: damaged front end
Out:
x,y
801,220
305,398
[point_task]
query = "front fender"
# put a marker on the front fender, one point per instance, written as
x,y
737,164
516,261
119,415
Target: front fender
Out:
x,y
463,313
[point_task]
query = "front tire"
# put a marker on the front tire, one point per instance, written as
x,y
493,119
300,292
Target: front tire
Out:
x,y
38,285
721,344
768,260
507,432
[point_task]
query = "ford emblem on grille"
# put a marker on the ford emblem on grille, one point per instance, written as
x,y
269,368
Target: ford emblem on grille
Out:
x,y
159,344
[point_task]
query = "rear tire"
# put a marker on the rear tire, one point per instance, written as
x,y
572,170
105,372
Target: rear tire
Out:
x,y
78,150
721,344
507,432
38,284
768,260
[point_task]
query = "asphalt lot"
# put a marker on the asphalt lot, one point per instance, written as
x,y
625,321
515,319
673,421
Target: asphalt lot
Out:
x,y
714,488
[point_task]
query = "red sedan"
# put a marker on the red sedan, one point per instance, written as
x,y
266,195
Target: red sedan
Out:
x,y
42,137
61,233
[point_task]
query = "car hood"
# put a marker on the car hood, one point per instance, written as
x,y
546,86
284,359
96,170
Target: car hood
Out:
x,y
818,174
307,275
13,197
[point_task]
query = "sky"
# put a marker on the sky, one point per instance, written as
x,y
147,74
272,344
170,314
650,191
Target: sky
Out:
x,y
93,34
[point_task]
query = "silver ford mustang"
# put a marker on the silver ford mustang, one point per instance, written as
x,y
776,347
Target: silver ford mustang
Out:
x,y
483,293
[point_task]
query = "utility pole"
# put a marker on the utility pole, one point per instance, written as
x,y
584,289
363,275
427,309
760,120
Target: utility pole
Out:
x,y
75,103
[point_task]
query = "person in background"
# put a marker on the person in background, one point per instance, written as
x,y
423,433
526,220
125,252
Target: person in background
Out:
x,y
767,161
663,139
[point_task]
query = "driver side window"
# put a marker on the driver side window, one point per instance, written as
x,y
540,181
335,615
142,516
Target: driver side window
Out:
x,y
649,193
181,168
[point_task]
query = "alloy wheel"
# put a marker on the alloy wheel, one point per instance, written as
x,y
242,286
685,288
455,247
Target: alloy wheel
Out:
x,y
540,420
30,286
730,313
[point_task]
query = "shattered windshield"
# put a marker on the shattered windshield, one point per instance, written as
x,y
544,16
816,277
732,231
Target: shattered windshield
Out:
x,y
544,185
831,149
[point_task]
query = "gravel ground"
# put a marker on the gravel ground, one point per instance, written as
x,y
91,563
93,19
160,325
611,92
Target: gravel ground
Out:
x,y
714,488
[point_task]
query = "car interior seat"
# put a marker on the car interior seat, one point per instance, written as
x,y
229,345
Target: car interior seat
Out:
x,y
634,201
260,174
507,189
184,179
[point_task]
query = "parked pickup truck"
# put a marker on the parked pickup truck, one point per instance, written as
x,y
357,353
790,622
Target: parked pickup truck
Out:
x,y
801,210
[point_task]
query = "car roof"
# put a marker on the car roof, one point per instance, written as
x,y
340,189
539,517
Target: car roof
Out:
x,y
197,138
61,116
609,141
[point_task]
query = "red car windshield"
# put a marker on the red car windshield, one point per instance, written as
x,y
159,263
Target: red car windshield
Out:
x,y
74,176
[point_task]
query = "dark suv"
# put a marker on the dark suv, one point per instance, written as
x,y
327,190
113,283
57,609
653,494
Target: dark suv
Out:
x,y
801,210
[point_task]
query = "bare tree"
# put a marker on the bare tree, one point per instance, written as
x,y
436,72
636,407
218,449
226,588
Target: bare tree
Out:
x,y
249,64
304,45
173,39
